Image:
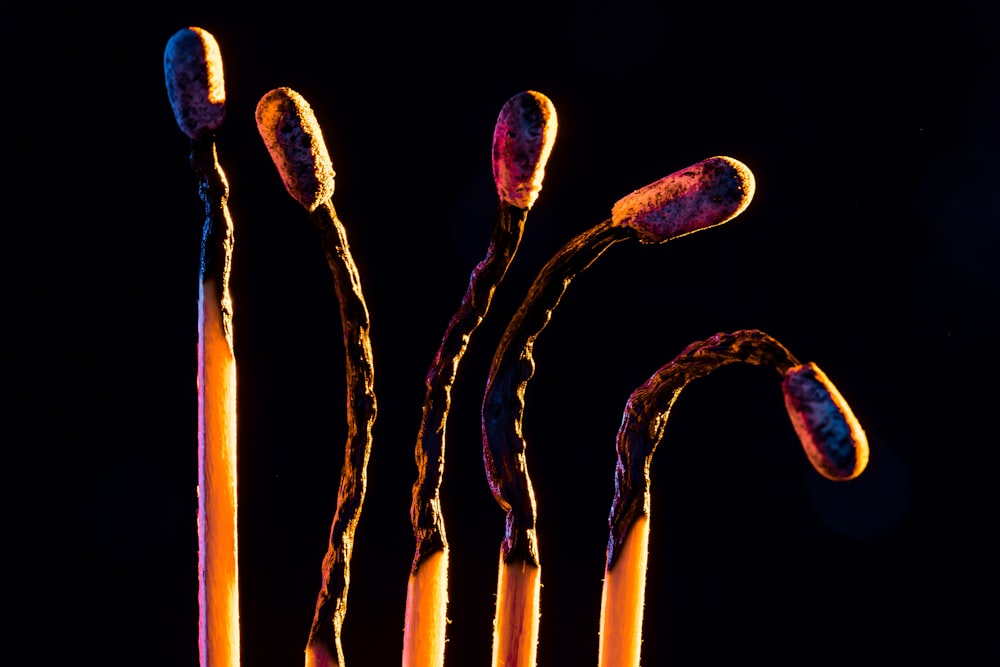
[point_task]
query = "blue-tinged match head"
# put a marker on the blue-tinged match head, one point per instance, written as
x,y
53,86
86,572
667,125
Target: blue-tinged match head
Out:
x,y
192,66
830,433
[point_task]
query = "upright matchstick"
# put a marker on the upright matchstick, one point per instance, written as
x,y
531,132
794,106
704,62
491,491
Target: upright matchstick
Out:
x,y
704,195
830,435
522,140
294,139
192,67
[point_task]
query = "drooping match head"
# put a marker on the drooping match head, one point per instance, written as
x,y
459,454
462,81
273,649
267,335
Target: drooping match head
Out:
x,y
522,142
830,433
293,137
705,194
192,66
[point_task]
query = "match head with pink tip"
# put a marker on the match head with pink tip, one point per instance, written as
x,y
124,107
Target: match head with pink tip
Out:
x,y
706,194
522,141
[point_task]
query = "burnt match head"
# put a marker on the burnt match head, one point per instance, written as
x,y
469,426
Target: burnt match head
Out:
x,y
192,66
522,142
705,194
830,433
288,126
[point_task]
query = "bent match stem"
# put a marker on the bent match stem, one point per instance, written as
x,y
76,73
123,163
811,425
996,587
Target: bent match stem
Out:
x,y
828,432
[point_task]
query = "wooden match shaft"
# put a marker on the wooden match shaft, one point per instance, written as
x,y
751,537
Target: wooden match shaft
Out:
x,y
218,559
515,631
424,628
192,65
324,645
622,601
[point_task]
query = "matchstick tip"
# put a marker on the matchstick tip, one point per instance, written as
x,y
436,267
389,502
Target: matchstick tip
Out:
x,y
192,66
704,195
830,434
293,138
317,655
522,141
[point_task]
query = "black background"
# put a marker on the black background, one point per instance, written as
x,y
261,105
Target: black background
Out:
x,y
870,247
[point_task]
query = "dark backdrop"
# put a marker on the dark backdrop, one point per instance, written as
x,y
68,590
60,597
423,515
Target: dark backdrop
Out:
x,y
871,248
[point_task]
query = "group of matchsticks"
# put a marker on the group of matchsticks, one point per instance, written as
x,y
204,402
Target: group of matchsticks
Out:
x,y
703,195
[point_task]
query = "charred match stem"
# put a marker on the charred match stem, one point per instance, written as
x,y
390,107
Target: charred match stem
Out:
x,y
428,523
426,599
515,633
701,196
649,405
295,141
192,67
523,139
331,603
513,365
828,431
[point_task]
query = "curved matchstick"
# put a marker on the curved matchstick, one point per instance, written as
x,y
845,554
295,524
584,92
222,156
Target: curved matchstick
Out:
x,y
522,141
192,65
704,195
294,139
830,435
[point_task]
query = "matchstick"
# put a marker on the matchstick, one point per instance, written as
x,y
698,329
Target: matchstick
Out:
x,y
192,66
828,431
704,195
522,141
294,139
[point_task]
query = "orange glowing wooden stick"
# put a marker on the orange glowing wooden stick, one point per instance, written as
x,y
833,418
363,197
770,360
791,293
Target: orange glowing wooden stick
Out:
x,y
192,66
293,137
522,140
828,431
703,195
